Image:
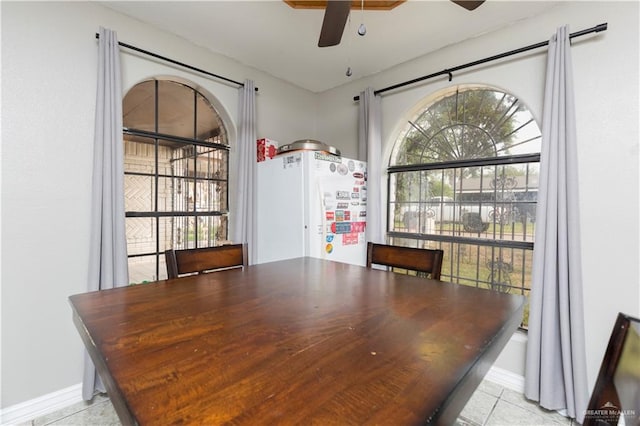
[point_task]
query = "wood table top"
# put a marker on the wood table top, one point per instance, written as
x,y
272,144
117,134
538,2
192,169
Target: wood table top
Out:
x,y
296,341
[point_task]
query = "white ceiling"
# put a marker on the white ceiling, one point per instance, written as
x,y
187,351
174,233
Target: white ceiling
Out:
x,y
282,41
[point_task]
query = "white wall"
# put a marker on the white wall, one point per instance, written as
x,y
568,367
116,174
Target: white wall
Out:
x,y
49,63
606,87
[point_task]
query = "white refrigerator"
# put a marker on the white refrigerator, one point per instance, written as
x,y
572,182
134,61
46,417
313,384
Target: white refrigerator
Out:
x,y
311,203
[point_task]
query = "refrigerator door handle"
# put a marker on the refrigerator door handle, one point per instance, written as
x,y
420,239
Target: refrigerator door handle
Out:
x,y
323,221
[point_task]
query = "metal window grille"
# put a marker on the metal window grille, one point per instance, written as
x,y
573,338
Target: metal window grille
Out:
x,y
176,175
464,178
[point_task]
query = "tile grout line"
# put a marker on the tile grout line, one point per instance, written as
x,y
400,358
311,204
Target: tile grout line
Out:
x,y
486,421
87,407
534,408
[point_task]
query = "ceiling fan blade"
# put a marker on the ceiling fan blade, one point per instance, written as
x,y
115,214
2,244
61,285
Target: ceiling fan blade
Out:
x,y
335,18
468,4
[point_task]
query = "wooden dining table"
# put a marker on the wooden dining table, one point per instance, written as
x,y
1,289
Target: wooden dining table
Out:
x,y
300,341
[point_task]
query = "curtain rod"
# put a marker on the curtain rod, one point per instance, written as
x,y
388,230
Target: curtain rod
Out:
x,y
448,71
164,58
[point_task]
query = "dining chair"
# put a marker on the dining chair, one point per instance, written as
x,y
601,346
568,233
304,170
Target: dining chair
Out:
x,y
617,389
208,259
414,259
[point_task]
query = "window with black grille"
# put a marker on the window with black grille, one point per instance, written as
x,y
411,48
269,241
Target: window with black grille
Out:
x,y
176,174
463,177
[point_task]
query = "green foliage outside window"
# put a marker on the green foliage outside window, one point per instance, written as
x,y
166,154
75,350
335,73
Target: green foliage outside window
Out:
x,y
463,176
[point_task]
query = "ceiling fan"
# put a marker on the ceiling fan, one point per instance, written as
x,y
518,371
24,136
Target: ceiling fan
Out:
x,y
337,12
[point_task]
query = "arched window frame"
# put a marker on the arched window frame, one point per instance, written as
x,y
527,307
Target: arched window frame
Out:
x,y
176,174
487,236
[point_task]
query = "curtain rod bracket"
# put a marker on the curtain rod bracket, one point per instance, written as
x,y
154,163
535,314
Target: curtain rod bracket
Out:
x,y
449,73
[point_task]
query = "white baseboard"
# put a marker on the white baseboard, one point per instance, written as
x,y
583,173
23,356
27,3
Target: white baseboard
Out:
x,y
29,410
505,378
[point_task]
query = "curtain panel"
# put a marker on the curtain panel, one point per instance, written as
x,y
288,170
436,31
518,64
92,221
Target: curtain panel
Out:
x,y
370,149
244,211
556,362
108,265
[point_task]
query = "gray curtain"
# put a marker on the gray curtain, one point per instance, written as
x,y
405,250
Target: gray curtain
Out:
x,y
556,363
370,148
108,265
244,214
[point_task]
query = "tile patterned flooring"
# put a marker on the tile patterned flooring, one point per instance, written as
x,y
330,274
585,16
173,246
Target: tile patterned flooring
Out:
x,y
490,405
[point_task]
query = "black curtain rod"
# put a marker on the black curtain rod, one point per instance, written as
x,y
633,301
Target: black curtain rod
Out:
x,y
449,71
164,58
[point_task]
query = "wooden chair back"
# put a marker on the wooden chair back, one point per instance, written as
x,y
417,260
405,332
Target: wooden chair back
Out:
x,y
617,388
201,260
414,259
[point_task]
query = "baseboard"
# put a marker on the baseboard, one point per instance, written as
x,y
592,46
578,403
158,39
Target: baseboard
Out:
x,y
29,410
505,378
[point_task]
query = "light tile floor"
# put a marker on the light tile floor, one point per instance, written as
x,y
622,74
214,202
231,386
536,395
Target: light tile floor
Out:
x,y
494,405
490,405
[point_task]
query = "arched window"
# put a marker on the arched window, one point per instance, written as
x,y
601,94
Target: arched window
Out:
x,y
463,177
176,174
